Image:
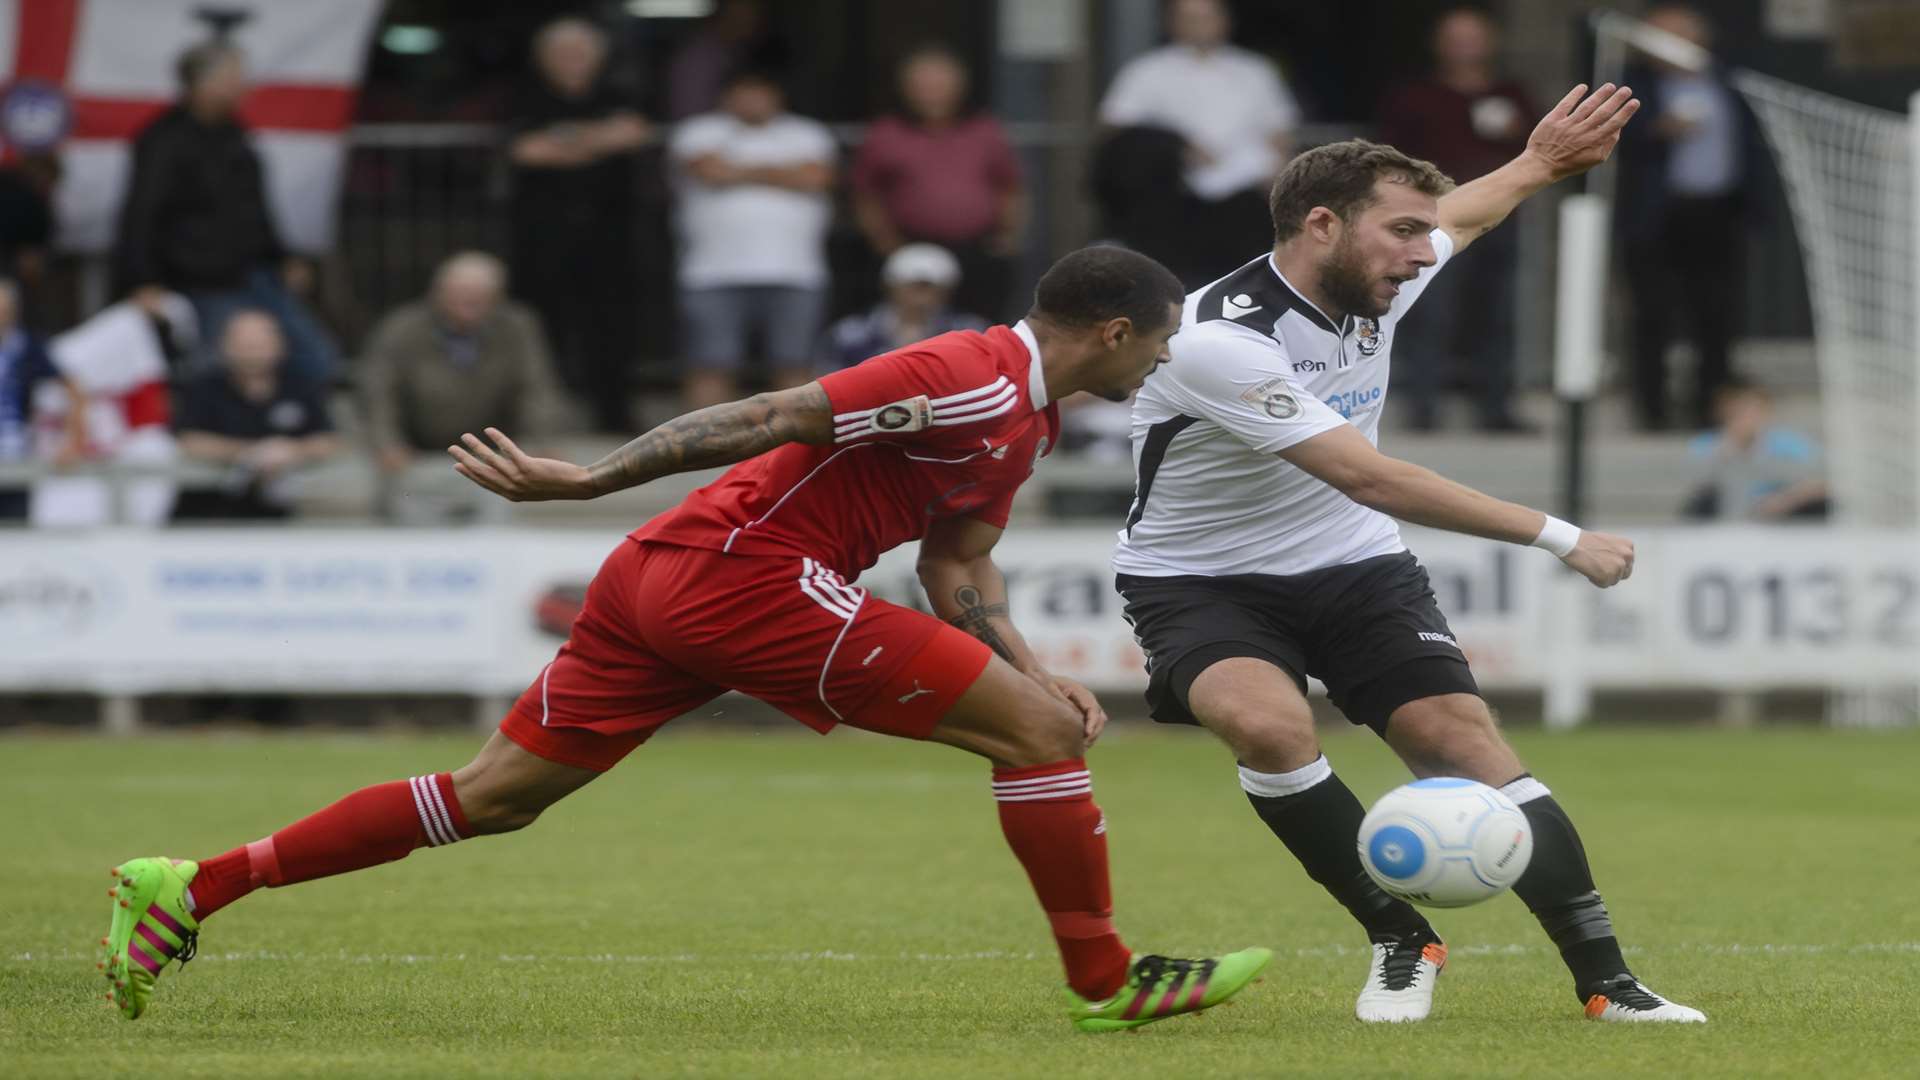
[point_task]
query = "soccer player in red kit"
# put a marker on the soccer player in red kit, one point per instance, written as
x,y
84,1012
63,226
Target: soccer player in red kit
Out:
x,y
749,585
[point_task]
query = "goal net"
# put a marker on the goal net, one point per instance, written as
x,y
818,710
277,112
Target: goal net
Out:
x,y
1849,176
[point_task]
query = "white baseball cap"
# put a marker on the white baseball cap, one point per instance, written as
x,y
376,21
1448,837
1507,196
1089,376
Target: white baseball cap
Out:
x,y
921,262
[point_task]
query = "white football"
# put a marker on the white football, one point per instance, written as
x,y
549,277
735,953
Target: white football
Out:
x,y
1445,842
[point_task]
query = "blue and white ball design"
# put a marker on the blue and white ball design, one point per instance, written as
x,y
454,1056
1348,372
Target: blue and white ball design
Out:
x,y
1445,842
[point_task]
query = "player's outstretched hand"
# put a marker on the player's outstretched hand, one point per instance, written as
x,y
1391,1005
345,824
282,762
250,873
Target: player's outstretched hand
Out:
x,y
507,471
1602,558
1083,701
1578,133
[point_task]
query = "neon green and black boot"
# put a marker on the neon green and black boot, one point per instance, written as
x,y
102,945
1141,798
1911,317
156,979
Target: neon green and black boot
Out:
x,y
1158,987
151,928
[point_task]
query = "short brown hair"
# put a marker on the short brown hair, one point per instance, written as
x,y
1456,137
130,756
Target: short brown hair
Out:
x,y
1340,177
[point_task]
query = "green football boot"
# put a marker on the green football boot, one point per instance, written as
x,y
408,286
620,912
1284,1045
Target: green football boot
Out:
x,y
151,928
1158,987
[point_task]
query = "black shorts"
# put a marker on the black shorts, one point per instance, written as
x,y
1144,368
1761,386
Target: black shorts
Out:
x,y
1370,630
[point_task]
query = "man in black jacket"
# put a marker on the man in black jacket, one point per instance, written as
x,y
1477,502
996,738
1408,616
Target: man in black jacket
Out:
x,y
1689,186
196,219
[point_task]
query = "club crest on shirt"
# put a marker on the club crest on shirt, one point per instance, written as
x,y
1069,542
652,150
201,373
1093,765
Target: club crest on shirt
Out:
x,y
1275,398
1367,336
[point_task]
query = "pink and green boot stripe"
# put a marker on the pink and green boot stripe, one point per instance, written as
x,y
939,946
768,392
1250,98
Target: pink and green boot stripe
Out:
x,y
151,928
1158,987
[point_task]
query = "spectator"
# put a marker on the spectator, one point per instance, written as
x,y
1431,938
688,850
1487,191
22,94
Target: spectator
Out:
x,y
463,359
753,183
943,175
1469,120
24,368
920,280
255,417
1689,166
735,38
26,231
196,219
574,211
1751,468
1236,118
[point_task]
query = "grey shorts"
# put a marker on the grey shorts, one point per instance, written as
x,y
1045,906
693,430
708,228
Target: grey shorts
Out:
x,y
720,321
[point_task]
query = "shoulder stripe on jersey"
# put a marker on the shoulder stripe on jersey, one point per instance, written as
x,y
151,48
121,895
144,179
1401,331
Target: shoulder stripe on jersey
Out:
x,y
982,405
1001,409
1152,453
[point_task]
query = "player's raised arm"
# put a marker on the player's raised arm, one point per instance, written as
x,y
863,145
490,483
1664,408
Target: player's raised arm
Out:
x,y
1344,459
703,439
1574,136
966,588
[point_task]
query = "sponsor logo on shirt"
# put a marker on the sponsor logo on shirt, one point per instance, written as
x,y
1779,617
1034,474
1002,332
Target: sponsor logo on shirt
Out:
x,y
1275,398
1444,639
1309,365
1352,401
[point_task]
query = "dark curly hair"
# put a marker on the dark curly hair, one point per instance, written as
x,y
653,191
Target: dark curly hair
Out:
x,y
1089,286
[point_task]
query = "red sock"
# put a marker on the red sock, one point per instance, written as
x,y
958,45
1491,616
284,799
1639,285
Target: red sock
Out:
x,y
1060,836
371,826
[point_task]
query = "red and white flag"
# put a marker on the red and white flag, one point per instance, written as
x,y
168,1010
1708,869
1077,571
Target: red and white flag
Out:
x,y
90,74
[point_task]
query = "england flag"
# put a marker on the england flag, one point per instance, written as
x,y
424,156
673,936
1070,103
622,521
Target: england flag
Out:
x,y
86,76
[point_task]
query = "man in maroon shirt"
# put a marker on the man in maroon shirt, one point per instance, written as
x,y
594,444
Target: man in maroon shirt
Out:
x,y
943,175
1468,120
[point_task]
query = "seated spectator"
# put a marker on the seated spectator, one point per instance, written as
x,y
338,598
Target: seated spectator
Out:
x,y
1236,118
945,175
920,280
462,359
1754,470
753,181
196,218
262,421
24,368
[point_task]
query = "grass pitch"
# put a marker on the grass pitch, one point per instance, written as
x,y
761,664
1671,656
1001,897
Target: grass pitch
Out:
x,y
774,904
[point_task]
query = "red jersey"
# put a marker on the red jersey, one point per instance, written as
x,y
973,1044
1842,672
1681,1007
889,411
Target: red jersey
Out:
x,y
952,425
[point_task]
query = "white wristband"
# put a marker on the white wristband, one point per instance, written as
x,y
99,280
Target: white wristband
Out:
x,y
1559,537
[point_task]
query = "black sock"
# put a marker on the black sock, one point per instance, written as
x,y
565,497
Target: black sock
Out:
x,y
1317,817
1558,889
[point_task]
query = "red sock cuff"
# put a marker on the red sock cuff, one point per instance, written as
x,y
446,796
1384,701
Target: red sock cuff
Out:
x,y
441,820
1054,782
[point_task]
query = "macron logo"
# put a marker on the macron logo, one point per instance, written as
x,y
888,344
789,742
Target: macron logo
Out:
x,y
1238,307
1442,638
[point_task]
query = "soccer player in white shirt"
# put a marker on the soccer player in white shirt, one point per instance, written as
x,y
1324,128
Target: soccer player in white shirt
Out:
x,y
1262,546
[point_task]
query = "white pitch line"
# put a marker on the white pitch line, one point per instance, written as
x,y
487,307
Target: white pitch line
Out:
x,y
836,956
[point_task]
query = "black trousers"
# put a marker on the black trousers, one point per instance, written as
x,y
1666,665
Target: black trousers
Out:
x,y
583,281
1685,275
1461,331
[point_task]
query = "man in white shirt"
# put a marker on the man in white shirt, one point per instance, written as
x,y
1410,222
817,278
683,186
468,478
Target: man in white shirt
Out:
x,y
1262,547
753,215
1229,104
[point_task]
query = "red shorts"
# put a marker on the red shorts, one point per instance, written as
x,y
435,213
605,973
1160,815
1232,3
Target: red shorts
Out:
x,y
667,629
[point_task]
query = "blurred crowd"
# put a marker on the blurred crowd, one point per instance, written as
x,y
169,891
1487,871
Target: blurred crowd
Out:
x,y
212,350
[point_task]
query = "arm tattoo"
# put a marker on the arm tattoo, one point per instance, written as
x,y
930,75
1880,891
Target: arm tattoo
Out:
x,y
720,435
974,619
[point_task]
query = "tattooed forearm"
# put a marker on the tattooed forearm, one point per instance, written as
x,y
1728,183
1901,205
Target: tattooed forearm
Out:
x,y
975,618
719,435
